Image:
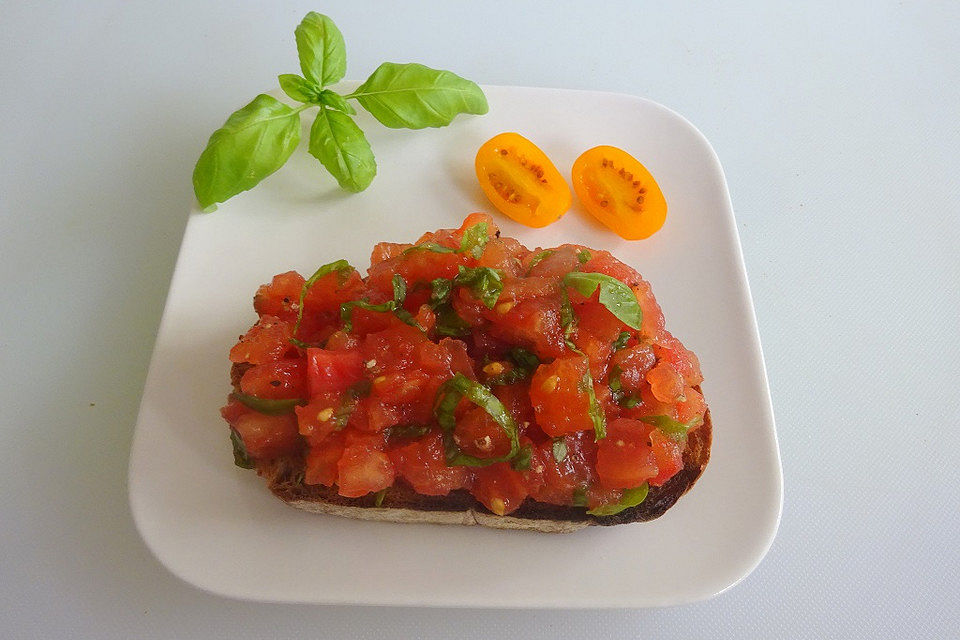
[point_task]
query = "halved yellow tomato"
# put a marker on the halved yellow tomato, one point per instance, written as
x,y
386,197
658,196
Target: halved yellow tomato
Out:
x,y
520,180
619,192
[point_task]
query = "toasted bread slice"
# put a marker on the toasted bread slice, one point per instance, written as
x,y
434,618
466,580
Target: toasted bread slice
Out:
x,y
402,504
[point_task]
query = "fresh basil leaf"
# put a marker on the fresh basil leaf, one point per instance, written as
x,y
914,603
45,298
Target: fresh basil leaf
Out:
x,y
580,496
339,144
299,88
474,239
617,297
522,461
429,246
412,96
673,429
399,289
449,323
485,283
621,340
568,319
407,432
346,310
378,498
240,456
440,290
323,55
594,410
630,498
524,364
336,101
540,257
448,397
559,449
583,256
254,142
340,267
268,406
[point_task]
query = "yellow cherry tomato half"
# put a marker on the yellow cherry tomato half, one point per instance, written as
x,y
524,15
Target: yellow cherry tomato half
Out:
x,y
619,192
520,180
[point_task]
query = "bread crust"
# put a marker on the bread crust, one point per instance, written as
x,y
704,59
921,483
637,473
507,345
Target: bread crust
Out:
x,y
402,504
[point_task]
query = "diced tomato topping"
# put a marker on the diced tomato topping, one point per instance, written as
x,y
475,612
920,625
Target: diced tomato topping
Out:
x,y
559,395
422,464
322,459
668,456
624,458
374,377
499,488
281,297
266,341
477,434
266,436
333,370
363,468
276,380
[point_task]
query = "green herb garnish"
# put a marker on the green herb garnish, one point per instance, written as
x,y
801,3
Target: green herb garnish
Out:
x,y
671,428
630,498
407,431
269,406
399,289
378,498
559,449
524,364
340,267
621,341
540,257
240,456
259,138
583,256
449,396
617,297
485,283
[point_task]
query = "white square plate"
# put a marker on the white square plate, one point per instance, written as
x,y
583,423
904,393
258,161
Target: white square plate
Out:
x,y
220,529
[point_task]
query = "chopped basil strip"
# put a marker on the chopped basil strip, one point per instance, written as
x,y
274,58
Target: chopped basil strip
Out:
x,y
474,239
341,267
448,397
617,297
378,499
594,409
451,324
240,456
269,406
407,431
618,394
346,312
349,404
540,257
630,498
522,461
568,319
399,289
440,290
621,341
429,246
524,364
485,283
671,428
559,449
580,496
584,256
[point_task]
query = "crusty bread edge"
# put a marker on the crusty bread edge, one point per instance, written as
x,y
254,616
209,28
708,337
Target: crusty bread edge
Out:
x,y
532,516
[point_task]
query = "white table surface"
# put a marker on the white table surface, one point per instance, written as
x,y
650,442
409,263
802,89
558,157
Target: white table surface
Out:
x,y
836,124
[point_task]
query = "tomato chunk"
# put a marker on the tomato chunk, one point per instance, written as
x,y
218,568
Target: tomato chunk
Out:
x,y
363,469
333,370
624,458
422,464
266,341
559,396
266,436
276,380
499,488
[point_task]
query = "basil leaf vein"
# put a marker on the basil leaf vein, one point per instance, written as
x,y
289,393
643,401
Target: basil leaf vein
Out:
x,y
320,47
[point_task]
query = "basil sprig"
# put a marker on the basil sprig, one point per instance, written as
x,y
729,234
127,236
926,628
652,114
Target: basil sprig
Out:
x,y
449,396
259,138
269,406
673,429
617,297
630,498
